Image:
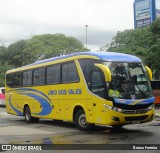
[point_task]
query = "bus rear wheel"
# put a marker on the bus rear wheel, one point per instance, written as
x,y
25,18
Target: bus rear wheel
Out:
x,y
81,121
28,117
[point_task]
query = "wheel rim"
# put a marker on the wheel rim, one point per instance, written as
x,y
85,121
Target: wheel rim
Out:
x,y
82,120
27,115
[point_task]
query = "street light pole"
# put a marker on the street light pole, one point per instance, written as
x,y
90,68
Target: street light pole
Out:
x,y
86,34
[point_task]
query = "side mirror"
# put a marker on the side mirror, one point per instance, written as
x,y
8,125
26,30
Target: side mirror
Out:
x,y
149,72
106,71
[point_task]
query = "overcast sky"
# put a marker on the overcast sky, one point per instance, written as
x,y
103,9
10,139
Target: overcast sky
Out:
x,y
21,19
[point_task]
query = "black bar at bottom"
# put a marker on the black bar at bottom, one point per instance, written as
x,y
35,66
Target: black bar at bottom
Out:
x,y
5,147
102,147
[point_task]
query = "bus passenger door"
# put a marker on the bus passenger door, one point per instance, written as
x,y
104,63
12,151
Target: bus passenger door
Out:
x,y
98,88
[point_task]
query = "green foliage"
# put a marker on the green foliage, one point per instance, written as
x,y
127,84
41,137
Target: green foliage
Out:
x,y
155,28
15,53
136,42
47,45
38,47
142,42
3,68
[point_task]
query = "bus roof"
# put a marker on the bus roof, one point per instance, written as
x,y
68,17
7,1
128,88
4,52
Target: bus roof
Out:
x,y
104,56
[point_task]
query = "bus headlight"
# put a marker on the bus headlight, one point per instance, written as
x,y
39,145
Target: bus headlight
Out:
x,y
150,107
107,106
119,110
116,109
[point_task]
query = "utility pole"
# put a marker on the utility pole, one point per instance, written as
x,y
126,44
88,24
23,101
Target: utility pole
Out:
x,y
86,34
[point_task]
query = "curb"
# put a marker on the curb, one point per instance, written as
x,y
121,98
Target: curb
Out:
x,y
157,115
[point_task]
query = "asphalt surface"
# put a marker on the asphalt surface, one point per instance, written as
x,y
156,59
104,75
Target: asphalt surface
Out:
x,y
14,130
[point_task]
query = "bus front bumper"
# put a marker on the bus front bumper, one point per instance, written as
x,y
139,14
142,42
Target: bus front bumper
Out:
x,y
138,116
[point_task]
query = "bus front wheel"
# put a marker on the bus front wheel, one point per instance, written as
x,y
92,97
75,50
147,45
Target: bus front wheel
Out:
x,y
28,117
81,121
117,127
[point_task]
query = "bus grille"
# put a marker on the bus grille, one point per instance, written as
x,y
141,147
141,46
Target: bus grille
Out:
x,y
132,107
139,111
137,118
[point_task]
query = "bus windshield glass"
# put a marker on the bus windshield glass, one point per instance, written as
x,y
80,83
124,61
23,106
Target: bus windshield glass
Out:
x,y
129,81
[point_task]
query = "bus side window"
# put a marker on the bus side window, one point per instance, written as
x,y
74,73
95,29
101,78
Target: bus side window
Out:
x,y
39,76
35,77
17,79
53,74
98,85
49,75
9,80
27,78
87,66
69,73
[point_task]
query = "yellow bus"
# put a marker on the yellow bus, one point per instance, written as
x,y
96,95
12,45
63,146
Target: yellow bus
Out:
x,y
87,88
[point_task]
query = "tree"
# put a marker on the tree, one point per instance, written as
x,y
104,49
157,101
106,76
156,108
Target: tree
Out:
x,y
155,29
39,47
3,68
16,54
136,42
2,51
154,54
51,45
142,42
3,65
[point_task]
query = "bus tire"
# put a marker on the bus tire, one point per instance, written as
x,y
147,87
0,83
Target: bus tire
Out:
x,y
116,127
28,117
81,122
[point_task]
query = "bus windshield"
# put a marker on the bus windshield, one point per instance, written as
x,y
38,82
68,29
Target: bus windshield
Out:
x,y
129,80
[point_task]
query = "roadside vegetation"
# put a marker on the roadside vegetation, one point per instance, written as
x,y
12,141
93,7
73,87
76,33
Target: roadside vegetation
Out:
x,y
142,42
38,47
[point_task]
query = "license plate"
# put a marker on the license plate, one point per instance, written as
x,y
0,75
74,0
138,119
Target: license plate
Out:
x,y
136,122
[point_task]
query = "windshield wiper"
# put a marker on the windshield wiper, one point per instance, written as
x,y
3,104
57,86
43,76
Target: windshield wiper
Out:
x,y
132,85
139,89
